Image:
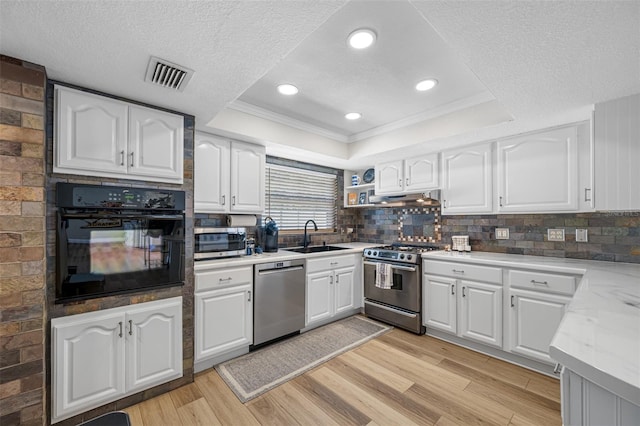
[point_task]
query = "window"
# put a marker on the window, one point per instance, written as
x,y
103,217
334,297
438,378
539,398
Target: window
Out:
x,y
294,196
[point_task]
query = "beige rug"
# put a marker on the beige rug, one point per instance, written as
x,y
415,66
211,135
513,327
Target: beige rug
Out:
x,y
255,373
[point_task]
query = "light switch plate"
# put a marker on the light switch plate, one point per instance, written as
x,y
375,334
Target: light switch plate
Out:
x,y
502,233
581,235
555,234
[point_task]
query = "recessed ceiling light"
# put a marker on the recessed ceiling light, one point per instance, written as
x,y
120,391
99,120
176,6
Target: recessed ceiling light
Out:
x,y
353,116
287,89
425,85
362,38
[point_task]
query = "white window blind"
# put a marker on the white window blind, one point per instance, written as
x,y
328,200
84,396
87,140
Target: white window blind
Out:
x,y
294,196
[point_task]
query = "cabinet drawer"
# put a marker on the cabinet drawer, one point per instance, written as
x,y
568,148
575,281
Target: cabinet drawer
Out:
x,y
564,284
206,280
328,263
463,271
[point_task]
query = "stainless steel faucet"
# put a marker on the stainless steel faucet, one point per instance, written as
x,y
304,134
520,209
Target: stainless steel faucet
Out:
x,y
306,240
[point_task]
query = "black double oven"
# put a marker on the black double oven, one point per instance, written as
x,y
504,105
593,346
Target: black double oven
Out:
x,y
114,240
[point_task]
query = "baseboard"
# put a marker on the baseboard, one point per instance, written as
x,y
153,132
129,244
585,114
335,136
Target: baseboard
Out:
x,y
339,316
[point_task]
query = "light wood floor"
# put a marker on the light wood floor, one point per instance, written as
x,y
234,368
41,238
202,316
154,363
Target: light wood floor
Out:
x,y
396,379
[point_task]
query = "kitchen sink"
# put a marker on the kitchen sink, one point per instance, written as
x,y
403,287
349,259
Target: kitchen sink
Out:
x,y
315,249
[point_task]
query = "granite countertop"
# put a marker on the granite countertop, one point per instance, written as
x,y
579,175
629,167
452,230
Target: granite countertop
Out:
x,y
280,255
599,336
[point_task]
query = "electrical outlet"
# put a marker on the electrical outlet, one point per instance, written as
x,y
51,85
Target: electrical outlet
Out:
x,y
555,234
502,233
581,235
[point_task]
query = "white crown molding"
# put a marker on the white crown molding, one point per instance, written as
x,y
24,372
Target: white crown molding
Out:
x,y
426,115
287,121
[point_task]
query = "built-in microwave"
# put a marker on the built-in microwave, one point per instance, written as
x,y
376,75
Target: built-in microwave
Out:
x,y
214,243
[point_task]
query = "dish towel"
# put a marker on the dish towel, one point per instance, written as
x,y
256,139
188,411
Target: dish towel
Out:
x,y
384,276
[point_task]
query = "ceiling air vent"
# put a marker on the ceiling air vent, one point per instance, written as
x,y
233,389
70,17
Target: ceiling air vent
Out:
x,y
167,74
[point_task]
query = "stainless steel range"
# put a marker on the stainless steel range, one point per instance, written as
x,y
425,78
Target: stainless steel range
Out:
x,y
392,287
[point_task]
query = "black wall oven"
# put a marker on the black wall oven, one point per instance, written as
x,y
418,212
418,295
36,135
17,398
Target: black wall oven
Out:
x,y
113,240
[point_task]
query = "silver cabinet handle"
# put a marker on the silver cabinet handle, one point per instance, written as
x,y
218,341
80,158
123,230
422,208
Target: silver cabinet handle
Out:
x,y
337,279
225,279
130,327
122,157
512,305
400,182
233,200
249,299
224,200
407,180
463,295
120,325
131,158
587,191
557,368
331,279
458,271
534,282
500,201
444,204
453,286
333,263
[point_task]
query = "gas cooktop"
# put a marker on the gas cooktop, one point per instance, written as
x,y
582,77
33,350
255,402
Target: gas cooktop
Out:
x,y
398,252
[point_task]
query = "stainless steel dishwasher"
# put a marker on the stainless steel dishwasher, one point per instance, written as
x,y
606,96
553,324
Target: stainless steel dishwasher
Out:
x,y
279,300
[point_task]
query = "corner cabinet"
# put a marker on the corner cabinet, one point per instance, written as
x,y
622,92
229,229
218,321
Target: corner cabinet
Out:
x,y
102,356
332,288
406,176
229,176
467,176
223,314
542,171
100,136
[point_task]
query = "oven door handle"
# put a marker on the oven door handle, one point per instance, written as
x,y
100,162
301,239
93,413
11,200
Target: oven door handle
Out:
x,y
393,266
120,216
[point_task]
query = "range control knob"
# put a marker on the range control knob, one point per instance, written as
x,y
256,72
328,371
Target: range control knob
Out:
x,y
409,257
369,253
375,253
402,256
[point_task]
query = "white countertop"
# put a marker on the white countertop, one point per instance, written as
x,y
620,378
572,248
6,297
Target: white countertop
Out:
x,y
280,255
599,336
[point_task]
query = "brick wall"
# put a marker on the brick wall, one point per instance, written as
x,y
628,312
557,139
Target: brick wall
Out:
x,y
22,242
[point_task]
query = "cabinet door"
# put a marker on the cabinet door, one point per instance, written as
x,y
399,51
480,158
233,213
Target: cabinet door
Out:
x,y
539,172
421,173
439,303
224,320
91,134
467,174
211,174
154,345
156,144
534,319
320,296
481,312
247,177
389,178
88,362
344,288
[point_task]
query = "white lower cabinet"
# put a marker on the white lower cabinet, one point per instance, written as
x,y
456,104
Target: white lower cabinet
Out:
x,y
102,356
537,301
331,287
587,404
223,311
472,310
534,319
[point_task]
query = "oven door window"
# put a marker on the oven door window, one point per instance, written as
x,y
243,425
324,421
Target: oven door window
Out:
x,y
217,242
108,255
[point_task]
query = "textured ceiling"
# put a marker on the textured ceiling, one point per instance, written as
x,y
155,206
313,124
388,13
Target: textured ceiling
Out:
x,y
540,60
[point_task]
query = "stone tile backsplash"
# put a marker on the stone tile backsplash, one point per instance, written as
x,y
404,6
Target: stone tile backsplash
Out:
x,y
612,236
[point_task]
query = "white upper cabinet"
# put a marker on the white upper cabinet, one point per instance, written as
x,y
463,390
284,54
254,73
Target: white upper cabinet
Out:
x,y
100,136
156,143
467,185
247,177
212,163
412,175
539,172
617,154
229,176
